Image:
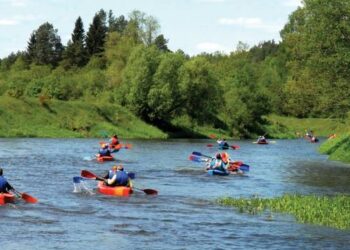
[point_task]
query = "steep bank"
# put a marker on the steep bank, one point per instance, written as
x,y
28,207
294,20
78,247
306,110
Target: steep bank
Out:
x,y
338,148
31,117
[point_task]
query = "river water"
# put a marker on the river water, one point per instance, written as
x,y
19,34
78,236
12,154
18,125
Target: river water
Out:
x,y
183,216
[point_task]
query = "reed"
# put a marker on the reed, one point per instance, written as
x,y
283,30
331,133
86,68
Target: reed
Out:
x,y
331,211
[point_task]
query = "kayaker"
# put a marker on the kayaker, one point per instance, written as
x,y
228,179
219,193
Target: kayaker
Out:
x,y
261,139
118,177
114,140
217,163
104,150
223,143
5,187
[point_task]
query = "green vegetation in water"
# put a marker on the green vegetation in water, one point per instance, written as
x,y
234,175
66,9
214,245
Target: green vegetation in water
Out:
x,y
337,148
326,211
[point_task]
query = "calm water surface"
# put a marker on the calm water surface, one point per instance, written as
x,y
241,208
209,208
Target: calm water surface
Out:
x,y
183,215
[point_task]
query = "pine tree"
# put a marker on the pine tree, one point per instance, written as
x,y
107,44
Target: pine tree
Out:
x,y
96,35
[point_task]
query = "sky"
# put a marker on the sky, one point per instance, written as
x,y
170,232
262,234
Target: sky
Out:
x,y
194,26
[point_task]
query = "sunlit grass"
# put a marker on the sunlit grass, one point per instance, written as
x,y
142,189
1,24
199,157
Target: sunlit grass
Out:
x,y
325,210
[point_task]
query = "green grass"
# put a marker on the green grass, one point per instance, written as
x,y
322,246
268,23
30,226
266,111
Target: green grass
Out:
x,y
287,127
57,119
326,211
338,148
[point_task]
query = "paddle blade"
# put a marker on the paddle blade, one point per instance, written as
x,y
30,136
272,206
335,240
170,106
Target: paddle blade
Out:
x,y
150,191
128,146
77,179
88,174
212,136
28,198
195,158
235,146
209,145
200,154
244,167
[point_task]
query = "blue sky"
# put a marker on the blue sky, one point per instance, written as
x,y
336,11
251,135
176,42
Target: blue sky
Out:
x,y
194,26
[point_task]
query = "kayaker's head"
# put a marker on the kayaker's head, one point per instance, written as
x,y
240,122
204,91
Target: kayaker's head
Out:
x,y
118,168
218,156
104,146
0,171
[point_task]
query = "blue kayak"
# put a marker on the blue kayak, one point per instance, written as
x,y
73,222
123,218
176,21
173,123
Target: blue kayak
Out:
x,y
217,172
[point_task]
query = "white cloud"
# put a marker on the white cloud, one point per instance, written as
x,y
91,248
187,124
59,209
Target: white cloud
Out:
x,y
18,3
251,23
7,22
211,1
292,3
211,47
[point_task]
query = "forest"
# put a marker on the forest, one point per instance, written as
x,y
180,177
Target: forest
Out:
x,y
126,61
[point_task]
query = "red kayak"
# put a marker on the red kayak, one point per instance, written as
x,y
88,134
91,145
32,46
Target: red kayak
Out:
x,y
115,191
104,158
6,198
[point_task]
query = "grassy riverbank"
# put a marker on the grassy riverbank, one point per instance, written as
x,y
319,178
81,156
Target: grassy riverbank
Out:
x,y
326,211
57,119
288,127
338,148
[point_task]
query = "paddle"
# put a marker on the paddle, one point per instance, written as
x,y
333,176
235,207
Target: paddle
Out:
x,y
26,197
118,146
196,158
148,191
90,175
200,154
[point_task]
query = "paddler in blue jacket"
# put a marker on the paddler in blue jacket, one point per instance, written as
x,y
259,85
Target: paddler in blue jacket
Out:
x,y
104,150
5,187
118,177
217,163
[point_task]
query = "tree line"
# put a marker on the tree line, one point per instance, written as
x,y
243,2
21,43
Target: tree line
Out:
x,y
127,61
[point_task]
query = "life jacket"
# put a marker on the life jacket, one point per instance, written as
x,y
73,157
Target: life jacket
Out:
x,y
104,152
114,141
122,177
3,184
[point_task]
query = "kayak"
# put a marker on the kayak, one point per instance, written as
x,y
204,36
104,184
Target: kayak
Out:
x,y
104,158
115,191
6,198
262,142
217,172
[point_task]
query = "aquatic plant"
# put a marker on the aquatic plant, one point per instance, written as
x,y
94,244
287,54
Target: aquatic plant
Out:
x,y
331,211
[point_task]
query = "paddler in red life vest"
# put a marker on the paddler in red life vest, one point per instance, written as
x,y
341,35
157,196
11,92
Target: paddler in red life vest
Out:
x,y
114,142
5,187
118,177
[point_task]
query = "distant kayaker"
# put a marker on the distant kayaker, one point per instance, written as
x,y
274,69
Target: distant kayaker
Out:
x,y
114,140
261,139
223,143
118,177
5,187
104,150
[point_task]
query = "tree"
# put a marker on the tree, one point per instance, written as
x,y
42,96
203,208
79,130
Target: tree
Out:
x,y
164,97
45,45
161,43
116,24
76,53
96,35
200,89
148,26
138,80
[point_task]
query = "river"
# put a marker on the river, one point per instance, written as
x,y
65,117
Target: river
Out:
x,y
183,216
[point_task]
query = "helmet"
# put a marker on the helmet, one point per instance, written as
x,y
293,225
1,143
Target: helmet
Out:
x,y
218,156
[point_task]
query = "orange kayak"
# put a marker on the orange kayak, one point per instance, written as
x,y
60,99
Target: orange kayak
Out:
x,y
104,158
115,191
